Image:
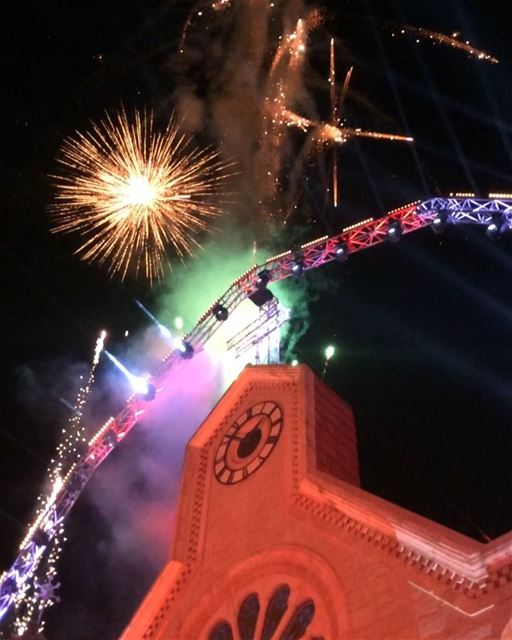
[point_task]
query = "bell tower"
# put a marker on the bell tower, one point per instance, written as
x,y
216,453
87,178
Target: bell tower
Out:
x,y
275,538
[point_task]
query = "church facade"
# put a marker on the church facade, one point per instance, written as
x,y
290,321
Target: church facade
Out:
x,y
276,539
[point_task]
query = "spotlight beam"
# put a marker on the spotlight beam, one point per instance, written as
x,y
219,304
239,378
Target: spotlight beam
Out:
x,y
138,384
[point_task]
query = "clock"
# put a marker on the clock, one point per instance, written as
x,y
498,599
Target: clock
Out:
x,y
248,442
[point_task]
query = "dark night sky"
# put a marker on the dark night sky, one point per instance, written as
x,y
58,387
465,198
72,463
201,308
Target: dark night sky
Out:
x,y
423,328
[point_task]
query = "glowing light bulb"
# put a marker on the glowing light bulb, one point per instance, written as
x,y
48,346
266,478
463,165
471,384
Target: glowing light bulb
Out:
x,y
329,352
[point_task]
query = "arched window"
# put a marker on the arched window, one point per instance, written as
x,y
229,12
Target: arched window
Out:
x,y
277,606
275,612
221,631
248,616
299,622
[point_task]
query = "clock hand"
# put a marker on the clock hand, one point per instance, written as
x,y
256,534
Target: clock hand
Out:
x,y
235,437
259,423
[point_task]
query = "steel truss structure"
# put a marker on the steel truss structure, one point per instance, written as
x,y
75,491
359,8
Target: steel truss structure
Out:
x,y
406,219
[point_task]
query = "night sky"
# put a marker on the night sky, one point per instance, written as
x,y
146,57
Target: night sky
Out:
x,y
423,329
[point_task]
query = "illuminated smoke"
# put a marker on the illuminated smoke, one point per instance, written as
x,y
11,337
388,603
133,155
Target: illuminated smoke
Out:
x,y
256,92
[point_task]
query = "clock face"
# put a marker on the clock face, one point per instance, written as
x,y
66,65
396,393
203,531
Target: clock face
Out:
x,y
248,442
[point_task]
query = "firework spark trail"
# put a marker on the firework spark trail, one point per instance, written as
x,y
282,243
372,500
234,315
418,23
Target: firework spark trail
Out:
x,y
284,83
257,93
340,135
131,191
285,89
451,41
344,90
334,119
323,132
260,92
37,592
332,82
337,104
197,12
262,73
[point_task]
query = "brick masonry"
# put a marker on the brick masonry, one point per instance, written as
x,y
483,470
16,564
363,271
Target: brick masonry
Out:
x,y
372,569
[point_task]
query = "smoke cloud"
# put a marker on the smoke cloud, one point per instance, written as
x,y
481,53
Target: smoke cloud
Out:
x,y
248,70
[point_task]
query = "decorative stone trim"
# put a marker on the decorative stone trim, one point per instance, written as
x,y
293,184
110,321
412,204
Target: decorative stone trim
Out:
x,y
408,556
162,612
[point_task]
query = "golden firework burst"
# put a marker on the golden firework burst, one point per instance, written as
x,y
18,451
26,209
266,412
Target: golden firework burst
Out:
x,y
132,191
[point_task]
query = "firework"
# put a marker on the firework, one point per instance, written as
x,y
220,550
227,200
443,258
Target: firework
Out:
x,y
323,132
340,135
297,45
451,41
332,94
336,106
132,191
198,11
36,587
264,96
284,83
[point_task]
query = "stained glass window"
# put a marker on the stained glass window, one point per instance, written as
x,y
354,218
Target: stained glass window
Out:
x,y
248,616
299,622
277,606
275,611
221,631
